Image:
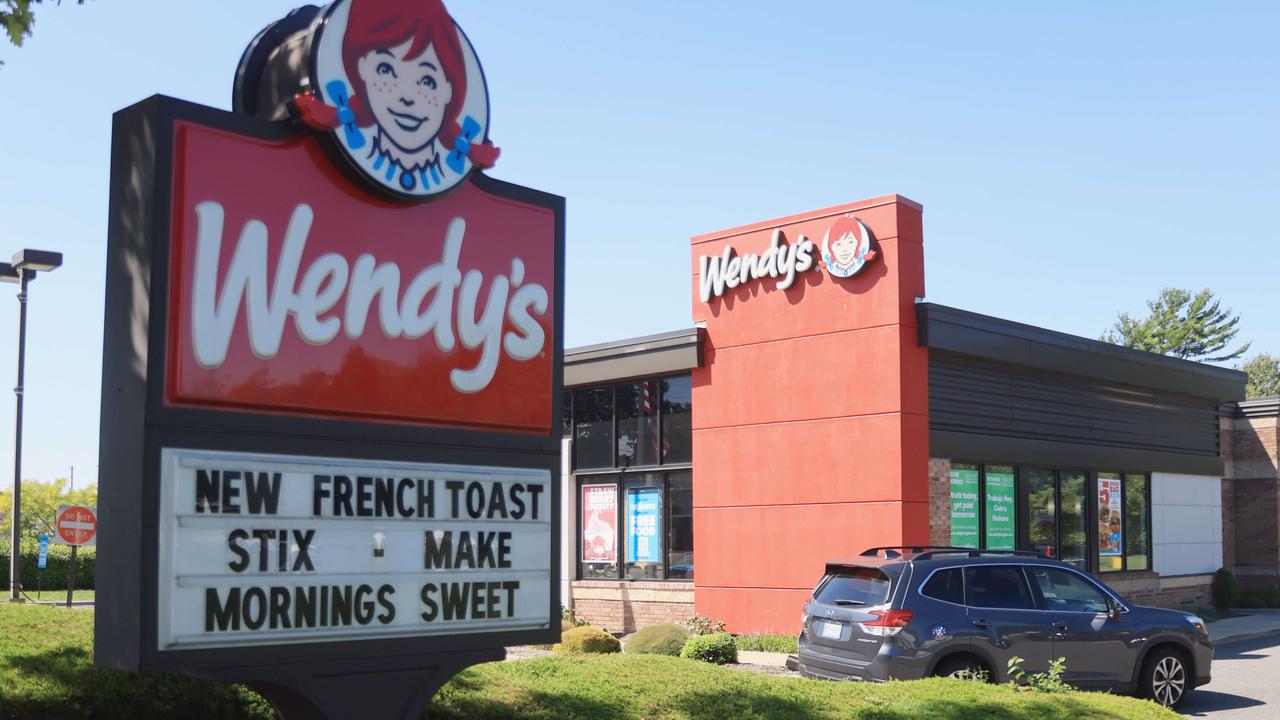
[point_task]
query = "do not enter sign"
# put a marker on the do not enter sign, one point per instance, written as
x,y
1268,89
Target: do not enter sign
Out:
x,y
76,525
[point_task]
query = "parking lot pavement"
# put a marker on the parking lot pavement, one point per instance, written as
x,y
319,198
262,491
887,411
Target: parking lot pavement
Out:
x,y
1246,682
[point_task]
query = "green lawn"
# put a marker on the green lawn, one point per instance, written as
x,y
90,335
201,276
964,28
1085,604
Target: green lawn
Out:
x,y
56,595
46,671
665,688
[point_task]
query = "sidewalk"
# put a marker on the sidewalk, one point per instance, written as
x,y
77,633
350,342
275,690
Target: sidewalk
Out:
x,y
1252,624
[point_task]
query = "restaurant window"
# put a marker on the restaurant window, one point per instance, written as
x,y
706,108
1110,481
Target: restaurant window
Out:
x,y
593,428
637,423
636,526
640,424
1137,524
1073,523
1042,510
680,525
1052,511
677,425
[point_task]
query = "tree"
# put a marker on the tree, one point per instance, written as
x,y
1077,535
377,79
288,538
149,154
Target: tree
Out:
x,y
1192,327
40,503
17,17
1264,375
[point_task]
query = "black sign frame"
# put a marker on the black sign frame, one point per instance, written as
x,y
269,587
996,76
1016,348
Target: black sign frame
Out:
x,y
376,676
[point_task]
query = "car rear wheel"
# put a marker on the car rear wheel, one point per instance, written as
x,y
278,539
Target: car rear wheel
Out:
x,y
963,668
1166,677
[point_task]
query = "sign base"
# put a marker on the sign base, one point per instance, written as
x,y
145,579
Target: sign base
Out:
x,y
398,687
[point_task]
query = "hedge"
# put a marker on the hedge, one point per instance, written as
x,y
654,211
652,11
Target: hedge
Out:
x,y
54,576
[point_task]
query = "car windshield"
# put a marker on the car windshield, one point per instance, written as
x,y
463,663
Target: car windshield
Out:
x,y
854,586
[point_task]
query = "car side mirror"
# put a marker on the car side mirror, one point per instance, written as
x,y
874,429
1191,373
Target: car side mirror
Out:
x,y
1114,609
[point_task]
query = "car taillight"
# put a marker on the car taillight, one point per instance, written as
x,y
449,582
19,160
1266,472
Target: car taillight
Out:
x,y
887,622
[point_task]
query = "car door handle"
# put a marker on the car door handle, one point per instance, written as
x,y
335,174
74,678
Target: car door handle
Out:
x,y
982,623
1059,626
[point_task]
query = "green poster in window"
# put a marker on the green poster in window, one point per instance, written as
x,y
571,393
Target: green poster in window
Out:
x,y
1000,509
964,507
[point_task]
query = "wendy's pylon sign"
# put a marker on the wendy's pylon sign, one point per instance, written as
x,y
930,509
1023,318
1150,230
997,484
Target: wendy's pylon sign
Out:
x,y
331,373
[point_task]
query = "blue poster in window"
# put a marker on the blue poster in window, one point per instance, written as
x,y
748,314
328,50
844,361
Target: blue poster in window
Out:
x,y
43,558
644,524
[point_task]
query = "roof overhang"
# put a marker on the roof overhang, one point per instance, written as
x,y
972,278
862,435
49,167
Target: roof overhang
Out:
x,y
664,354
960,331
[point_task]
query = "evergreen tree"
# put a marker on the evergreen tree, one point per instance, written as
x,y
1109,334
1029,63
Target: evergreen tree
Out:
x,y
1192,327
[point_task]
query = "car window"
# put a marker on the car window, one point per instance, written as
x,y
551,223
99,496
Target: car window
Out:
x,y
854,587
945,585
997,586
1067,591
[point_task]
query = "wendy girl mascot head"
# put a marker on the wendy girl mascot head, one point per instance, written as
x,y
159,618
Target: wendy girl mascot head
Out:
x,y
847,247
399,86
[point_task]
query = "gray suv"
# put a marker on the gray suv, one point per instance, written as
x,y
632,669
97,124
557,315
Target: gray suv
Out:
x,y
911,612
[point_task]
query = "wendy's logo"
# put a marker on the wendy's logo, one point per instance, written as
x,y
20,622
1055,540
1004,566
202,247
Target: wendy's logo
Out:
x,y
399,86
847,247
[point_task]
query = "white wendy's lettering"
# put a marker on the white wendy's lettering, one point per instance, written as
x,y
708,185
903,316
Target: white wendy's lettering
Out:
x,y
455,311
780,261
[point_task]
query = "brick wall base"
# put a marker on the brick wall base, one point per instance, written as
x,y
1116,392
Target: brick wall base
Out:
x,y
1147,588
623,607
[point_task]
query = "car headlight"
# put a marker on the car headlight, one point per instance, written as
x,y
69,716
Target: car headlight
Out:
x,y
1197,623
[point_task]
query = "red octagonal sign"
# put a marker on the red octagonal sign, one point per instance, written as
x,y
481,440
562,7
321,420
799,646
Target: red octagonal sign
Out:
x,y
77,525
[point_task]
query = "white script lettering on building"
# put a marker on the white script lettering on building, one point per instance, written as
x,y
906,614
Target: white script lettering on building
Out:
x,y
780,260
269,303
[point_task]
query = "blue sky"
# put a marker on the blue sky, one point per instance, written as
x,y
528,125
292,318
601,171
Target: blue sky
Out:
x,y
1071,160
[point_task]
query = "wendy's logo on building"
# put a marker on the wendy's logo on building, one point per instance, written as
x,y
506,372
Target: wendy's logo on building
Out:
x,y
847,247
399,86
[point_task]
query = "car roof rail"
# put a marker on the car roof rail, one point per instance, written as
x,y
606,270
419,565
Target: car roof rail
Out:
x,y
975,553
896,551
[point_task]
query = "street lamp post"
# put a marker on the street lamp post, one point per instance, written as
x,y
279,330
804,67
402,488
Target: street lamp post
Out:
x,y
26,263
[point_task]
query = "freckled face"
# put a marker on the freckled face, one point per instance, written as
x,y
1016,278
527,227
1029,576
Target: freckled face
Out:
x,y
845,248
407,95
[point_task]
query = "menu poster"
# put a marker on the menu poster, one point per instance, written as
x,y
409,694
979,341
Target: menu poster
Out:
x,y
964,507
1000,511
600,523
1110,539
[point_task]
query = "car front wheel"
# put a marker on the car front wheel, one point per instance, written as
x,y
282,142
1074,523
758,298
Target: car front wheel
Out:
x,y
1166,678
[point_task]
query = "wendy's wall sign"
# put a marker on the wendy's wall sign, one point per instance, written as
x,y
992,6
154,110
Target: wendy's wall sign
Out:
x,y
332,363
847,246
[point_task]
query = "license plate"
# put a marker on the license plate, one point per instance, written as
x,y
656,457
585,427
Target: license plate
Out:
x,y
831,629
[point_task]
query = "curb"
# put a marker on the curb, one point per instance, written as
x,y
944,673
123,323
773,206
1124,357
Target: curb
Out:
x,y
1244,637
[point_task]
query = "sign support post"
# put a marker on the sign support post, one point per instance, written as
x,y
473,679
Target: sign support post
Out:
x,y
71,575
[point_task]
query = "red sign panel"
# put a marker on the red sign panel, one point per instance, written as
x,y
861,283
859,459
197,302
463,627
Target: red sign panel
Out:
x,y
293,290
76,525
600,523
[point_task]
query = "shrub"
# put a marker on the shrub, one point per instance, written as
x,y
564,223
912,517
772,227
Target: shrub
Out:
x,y
1049,681
54,576
1225,590
1204,612
769,642
586,639
699,625
657,640
717,649
1261,598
